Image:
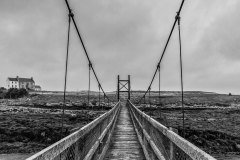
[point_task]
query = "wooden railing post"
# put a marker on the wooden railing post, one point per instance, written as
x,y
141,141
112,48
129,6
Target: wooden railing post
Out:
x,y
100,143
143,139
171,148
76,153
171,144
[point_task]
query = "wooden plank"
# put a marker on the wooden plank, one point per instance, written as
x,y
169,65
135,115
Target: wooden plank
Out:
x,y
124,144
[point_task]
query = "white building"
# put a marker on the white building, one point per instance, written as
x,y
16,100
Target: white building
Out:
x,y
37,88
27,83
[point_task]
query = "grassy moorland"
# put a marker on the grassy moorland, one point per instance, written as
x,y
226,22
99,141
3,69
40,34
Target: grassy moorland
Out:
x,y
212,121
27,125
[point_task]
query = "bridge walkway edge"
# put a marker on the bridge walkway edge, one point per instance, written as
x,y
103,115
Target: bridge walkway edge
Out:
x,y
124,142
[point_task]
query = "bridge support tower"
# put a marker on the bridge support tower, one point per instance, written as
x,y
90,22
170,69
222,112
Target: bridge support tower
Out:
x,y
123,84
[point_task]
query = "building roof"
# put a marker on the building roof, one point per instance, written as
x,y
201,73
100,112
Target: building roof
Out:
x,y
21,79
12,79
37,86
26,80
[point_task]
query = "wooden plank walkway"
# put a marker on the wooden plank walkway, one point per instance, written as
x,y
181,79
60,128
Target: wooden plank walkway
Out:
x,y
124,143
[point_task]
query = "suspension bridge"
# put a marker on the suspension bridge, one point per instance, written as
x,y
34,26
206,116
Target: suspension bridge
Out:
x,y
124,132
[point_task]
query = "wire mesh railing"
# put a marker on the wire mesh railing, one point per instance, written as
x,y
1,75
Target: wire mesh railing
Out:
x,y
90,142
160,142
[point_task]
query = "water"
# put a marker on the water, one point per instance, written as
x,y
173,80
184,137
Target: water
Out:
x,y
15,156
227,157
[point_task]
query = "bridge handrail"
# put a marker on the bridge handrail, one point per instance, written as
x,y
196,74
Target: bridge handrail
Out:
x,y
86,142
160,142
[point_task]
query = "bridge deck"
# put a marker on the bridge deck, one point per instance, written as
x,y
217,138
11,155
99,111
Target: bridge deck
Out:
x,y
124,142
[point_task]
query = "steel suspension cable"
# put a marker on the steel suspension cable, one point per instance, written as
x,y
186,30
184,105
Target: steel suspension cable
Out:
x,y
169,37
159,85
66,67
70,11
149,97
180,45
149,85
159,98
89,81
131,92
99,96
99,83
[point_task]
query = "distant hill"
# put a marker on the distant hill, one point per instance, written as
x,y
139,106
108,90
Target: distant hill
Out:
x,y
134,91
176,92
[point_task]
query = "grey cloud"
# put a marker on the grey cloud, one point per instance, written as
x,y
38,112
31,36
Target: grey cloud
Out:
x,y
121,37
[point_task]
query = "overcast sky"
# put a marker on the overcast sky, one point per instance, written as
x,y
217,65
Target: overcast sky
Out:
x,y
124,37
